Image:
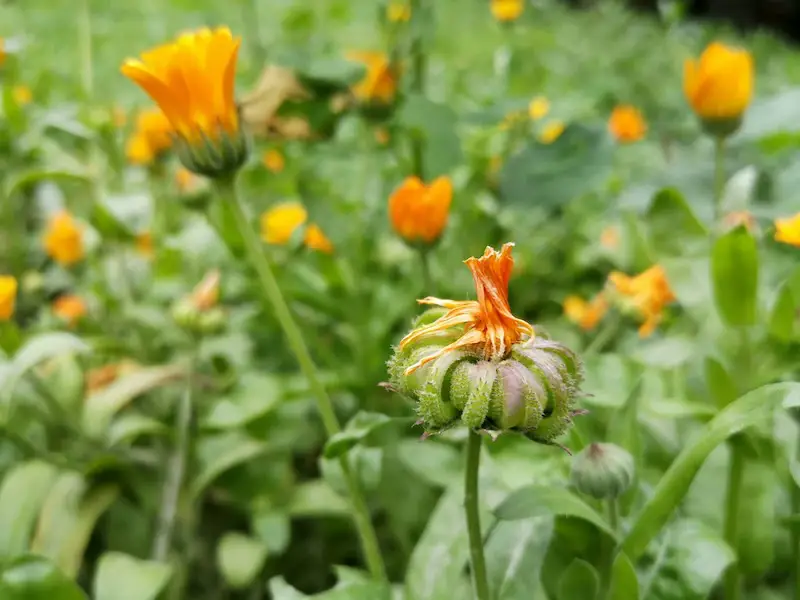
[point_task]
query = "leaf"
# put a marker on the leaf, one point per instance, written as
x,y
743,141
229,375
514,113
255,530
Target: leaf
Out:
x,y
771,116
122,577
254,396
22,494
435,124
699,556
784,314
624,583
35,578
316,498
672,224
744,412
28,178
665,353
755,546
540,500
734,275
579,580
222,452
127,427
280,590
514,555
38,349
364,426
436,462
240,559
273,528
720,383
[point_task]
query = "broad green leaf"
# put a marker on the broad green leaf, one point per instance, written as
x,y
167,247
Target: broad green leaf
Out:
x,y
22,494
748,410
438,463
782,319
698,556
240,559
734,275
514,555
273,528
347,589
579,581
771,116
664,353
123,577
363,427
254,396
316,498
280,590
436,126
672,225
35,578
219,453
755,547
129,426
28,178
624,583
720,383
541,500
38,349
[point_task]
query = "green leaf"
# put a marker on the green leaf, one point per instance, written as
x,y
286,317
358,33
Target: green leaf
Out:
x,y
35,578
273,528
436,462
28,178
255,395
672,224
316,498
784,315
222,452
665,353
699,557
755,546
624,583
720,383
579,580
122,577
22,494
771,116
435,124
744,412
541,500
734,275
514,556
240,559
280,590
363,427
129,426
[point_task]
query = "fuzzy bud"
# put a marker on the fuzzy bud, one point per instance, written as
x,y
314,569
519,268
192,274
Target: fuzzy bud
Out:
x,y
602,471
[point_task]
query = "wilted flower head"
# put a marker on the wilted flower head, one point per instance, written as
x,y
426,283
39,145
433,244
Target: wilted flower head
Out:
x,y
63,239
151,138
627,124
586,314
69,308
8,296
787,230
507,10
380,81
279,223
101,377
743,218
419,212
144,244
647,294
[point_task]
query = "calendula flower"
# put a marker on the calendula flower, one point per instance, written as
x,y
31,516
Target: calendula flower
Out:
x,y
627,124
22,94
192,80
787,230
609,238
69,308
551,132
380,82
63,239
398,12
419,212
507,10
585,314
538,108
647,294
144,244
281,221
273,160
151,138
719,86
8,296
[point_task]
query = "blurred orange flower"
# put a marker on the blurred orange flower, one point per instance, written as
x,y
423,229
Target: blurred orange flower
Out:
x,y
507,10
720,84
63,239
8,296
151,138
380,82
787,230
144,244
205,295
610,237
273,160
419,212
585,314
627,124
101,377
281,221
647,294
69,308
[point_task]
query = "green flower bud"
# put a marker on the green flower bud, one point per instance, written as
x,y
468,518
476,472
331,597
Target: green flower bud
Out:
x,y
602,471
214,158
185,314
211,321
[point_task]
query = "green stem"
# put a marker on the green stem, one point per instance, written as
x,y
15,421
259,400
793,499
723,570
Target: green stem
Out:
x,y
613,514
732,502
419,63
719,176
604,335
795,532
269,284
471,505
85,45
425,264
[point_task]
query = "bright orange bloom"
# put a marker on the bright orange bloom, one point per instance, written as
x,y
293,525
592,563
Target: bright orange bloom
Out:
x,y
720,84
144,244
273,160
8,296
507,10
279,223
192,79
206,293
69,308
316,240
787,230
380,82
627,124
609,238
419,212
152,136
382,135
490,330
647,293
585,314
63,239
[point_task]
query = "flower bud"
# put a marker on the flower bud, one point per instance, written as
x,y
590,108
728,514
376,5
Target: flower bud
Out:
x,y
217,156
211,321
185,314
602,471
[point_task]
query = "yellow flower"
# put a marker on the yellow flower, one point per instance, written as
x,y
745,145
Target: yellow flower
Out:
x,y
490,329
398,12
380,82
551,132
144,244
647,293
152,137
787,230
63,239
609,238
206,293
22,95
274,160
719,85
627,124
69,308
585,314
281,221
8,296
507,10
419,212
538,108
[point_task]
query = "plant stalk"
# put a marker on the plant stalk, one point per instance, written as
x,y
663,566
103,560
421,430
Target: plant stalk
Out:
x,y
419,64
795,532
732,582
471,505
719,176
425,264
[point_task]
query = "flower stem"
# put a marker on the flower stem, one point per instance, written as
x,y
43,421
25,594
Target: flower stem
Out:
x,y
719,176
478,563
425,264
732,502
269,284
418,70
85,45
795,532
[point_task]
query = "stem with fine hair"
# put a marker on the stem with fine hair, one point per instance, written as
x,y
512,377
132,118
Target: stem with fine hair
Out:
x,y
257,256
719,175
425,264
732,582
471,505
795,532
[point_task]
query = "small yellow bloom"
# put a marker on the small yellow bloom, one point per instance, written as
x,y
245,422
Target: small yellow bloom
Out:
x,y
69,308
22,95
273,160
627,124
206,293
151,138
398,12
719,85
144,244
511,119
787,230
63,239
279,223
585,314
507,10
419,212
380,82
552,131
610,237
8,296
647,293
382,135
538,108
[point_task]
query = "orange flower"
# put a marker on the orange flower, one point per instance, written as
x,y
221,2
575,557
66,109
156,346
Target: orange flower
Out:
x,y
151,138
647,293
63,239
279,223
627,124
206,293
585,314
419,212
507,10
273,160
380,82
609,238
490,329
144,244
316,240
720,84
69,308
8,296
787,231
